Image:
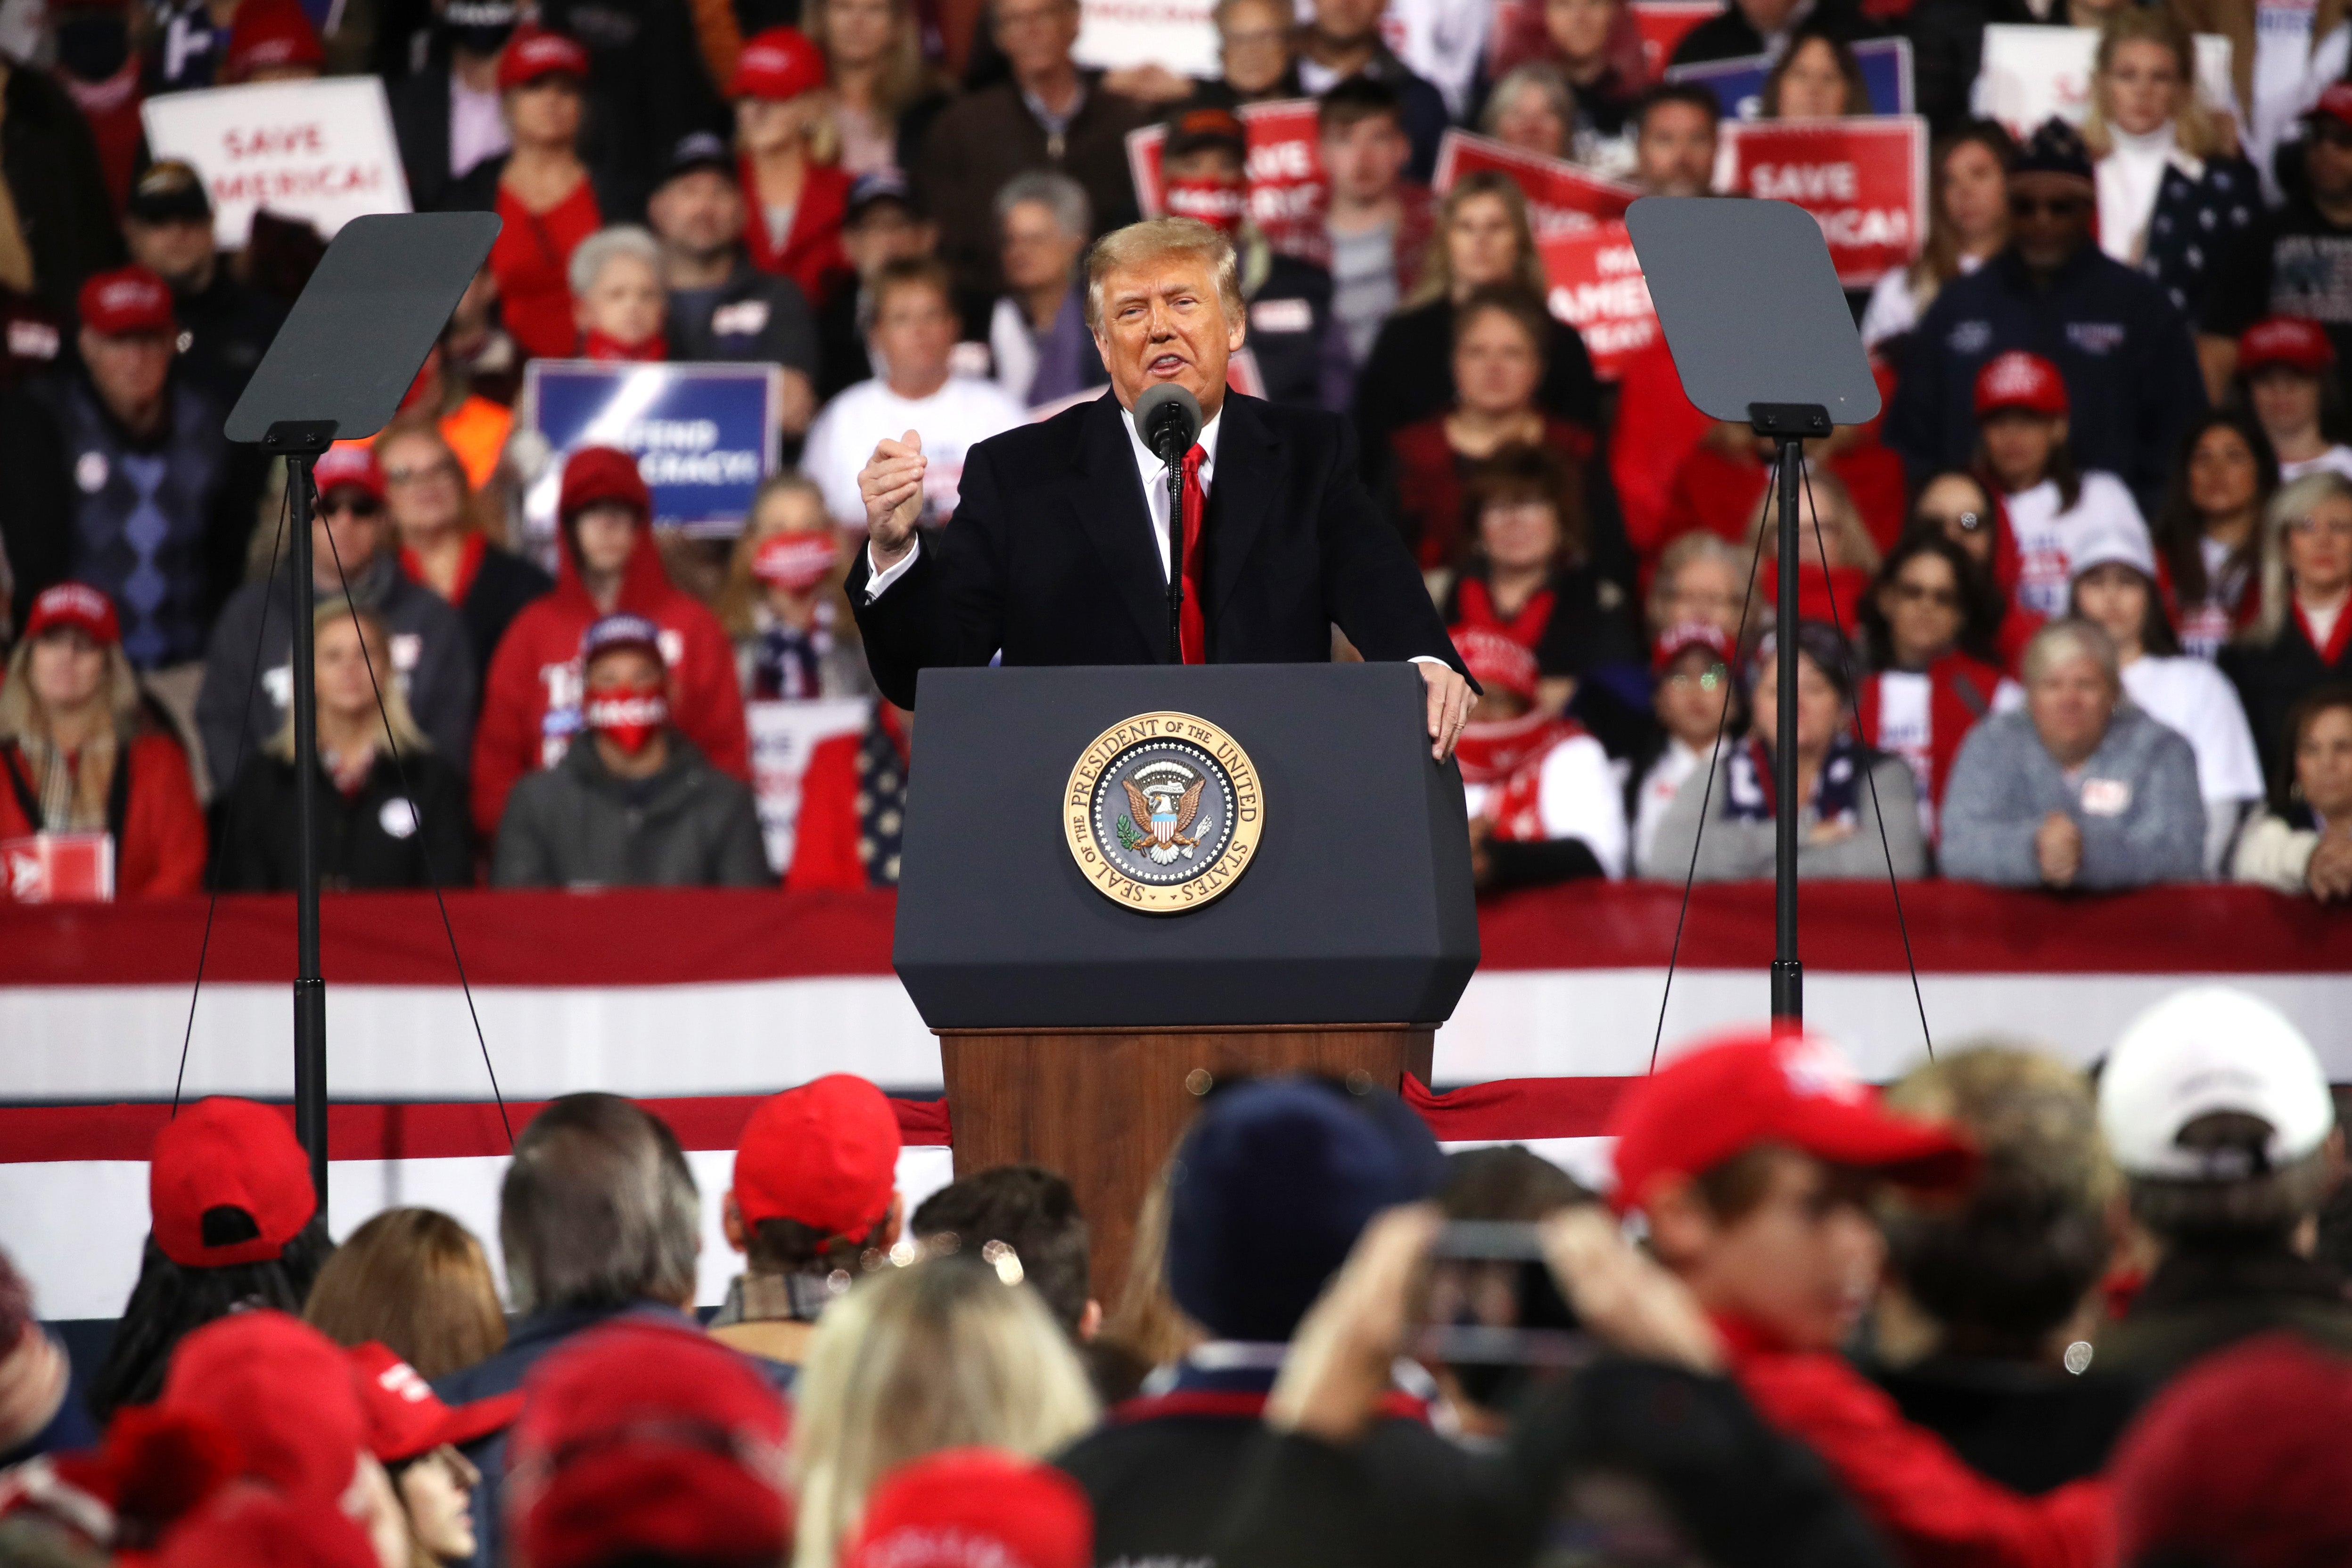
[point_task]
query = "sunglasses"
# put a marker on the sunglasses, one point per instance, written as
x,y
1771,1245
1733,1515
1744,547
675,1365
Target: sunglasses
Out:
x,y
357,506
2025,206
415,473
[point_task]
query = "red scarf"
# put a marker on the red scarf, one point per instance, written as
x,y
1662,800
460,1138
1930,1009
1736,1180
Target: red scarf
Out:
x,y
1491,753
469,566
595,345
2331,653
1516,808
1476,603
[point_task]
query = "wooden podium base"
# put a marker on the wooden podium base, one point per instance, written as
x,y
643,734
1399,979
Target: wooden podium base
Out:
x,y
1104,1107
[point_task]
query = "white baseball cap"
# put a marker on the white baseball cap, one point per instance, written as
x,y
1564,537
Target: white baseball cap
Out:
x,y
2112,541
2209,1049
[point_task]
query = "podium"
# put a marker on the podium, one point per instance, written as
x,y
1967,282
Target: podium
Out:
x,y
1120,886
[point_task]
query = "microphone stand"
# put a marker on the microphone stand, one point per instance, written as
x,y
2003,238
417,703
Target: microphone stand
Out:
x,y
1175,560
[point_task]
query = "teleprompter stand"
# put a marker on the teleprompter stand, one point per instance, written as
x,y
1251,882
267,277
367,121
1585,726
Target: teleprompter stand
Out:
x,y
1761,335
348,352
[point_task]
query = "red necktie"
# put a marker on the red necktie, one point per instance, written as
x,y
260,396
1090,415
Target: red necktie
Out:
x,y
1192,631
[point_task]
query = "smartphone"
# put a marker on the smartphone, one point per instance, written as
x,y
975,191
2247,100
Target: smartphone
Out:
x,y
1491,1301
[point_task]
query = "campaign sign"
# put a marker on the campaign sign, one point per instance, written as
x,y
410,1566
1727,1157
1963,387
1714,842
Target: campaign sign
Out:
x,y
704,436
2032,74
1597,287
317,150
1886,71
1179,33
1863,180
57,868
1663,24
1562,197
1284,172
783,735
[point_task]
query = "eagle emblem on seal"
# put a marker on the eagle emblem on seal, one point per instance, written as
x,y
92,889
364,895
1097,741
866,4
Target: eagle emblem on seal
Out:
x,y
1161,810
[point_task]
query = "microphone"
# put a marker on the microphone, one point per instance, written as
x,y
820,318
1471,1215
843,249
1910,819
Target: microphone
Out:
x,y
1168,419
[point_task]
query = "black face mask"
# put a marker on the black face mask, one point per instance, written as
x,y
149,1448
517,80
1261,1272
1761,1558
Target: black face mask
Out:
x,y
92,49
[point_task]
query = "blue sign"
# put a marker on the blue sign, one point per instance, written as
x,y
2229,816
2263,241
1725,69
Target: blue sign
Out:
x,y
1886,71
704,436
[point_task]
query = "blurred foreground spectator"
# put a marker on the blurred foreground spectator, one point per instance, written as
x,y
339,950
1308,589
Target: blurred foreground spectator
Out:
x,y
225,323
979,1505
1545,805
414,1279
2304,843
57,219
1034,1212
82,756
446,117
632,802
1340,40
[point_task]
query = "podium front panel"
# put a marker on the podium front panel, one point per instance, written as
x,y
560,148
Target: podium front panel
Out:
x,y
1355,905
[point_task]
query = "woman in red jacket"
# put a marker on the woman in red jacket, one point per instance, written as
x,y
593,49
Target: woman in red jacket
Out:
x,y
78,756
854,807
541,189
1927,625
794,196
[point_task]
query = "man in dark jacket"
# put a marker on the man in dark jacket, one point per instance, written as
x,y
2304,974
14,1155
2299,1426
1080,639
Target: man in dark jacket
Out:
x,y
1343,42
225,323
117,475
445,116
48,158
1750,27
641,807
2130,368
2297,260
244,700
883,225
2220,1117
1050,115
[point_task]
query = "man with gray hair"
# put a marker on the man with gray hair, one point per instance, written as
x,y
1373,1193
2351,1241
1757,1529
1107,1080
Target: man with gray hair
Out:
x,y
1037,330
2079,790
598,1216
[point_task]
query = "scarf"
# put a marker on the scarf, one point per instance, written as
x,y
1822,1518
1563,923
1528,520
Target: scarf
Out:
x,y
1475,600
1492,752
55,772
1748,783
774,1299
1516,808
788,664
595,345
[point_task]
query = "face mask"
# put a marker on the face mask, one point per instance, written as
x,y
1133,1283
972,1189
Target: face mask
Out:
x,y
629,717
794,562
1213,201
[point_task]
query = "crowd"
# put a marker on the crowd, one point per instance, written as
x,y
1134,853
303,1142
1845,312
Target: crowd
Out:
x,y
2004,1313
2074,605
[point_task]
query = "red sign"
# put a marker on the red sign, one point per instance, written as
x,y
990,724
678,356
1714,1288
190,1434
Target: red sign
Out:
x,y
1663,24
1562,197
1864,180
1597,288
1286,173
57,868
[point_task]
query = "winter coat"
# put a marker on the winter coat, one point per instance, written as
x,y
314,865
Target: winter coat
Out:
x,y
2274,852
530,705
1735,850
2272,676
50,159
811,255
1409,376
243,704
159,829
752,315
577,825
497,585
2137,802
386,835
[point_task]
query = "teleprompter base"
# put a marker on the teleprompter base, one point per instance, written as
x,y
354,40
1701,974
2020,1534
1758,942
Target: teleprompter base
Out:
x,y
1105,1107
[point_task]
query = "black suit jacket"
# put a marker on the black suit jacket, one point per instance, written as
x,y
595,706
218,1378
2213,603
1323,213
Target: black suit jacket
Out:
x,y
1050,556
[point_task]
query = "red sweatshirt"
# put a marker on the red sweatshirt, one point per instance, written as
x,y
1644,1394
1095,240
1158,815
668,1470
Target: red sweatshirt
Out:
x,y
163,846
530,705
1934,1511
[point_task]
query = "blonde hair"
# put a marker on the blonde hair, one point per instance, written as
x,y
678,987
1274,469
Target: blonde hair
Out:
x,y
1845,532
737,603
2193,125
399,724
903,77
22,717
941,1354
475,514
1152,239
2294,503
1437,269
1690,548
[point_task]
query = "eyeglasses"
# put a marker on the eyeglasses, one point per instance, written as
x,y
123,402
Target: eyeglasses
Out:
x,y
2025,206
1916,593
357,506
416,474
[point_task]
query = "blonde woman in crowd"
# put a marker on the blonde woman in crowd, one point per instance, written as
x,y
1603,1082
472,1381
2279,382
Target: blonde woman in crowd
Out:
x,y
783,603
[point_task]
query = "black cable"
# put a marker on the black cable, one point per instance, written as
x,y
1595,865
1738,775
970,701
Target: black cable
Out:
x,y
1845,652
229,798
1706,791
416,816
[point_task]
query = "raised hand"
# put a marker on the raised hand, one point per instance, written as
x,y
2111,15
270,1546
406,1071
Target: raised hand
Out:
x,y
891,485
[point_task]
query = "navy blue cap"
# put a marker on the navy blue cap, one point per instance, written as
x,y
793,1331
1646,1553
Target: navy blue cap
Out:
x,y
2054,147
1271,1187
878,187
621,631
697,150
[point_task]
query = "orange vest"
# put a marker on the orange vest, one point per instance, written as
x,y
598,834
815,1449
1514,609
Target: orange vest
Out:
x,y
475,430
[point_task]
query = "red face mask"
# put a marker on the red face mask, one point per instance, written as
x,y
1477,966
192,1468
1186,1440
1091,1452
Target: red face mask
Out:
x,y
629,717
1214,202
794,562
595,345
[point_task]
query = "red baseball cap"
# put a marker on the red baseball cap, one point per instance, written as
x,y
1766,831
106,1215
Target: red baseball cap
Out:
x,y
348,463
253,1527
407,1418
2285,341
596,473
961,1508
641,1437
533,52
2020,380
75,604
223,1154
270,33
777,65
1683,636
128,300
1729,1094
1498,659
285,1394
2335,103
825,1154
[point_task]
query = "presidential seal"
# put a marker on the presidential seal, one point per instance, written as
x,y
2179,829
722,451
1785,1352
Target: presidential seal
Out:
x,y
1163,812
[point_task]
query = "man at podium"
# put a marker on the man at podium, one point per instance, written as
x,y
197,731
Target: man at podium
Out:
x,y
1058,553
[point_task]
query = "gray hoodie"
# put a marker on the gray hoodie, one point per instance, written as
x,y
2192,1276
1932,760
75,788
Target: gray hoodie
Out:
x,y
577,825
2135,799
